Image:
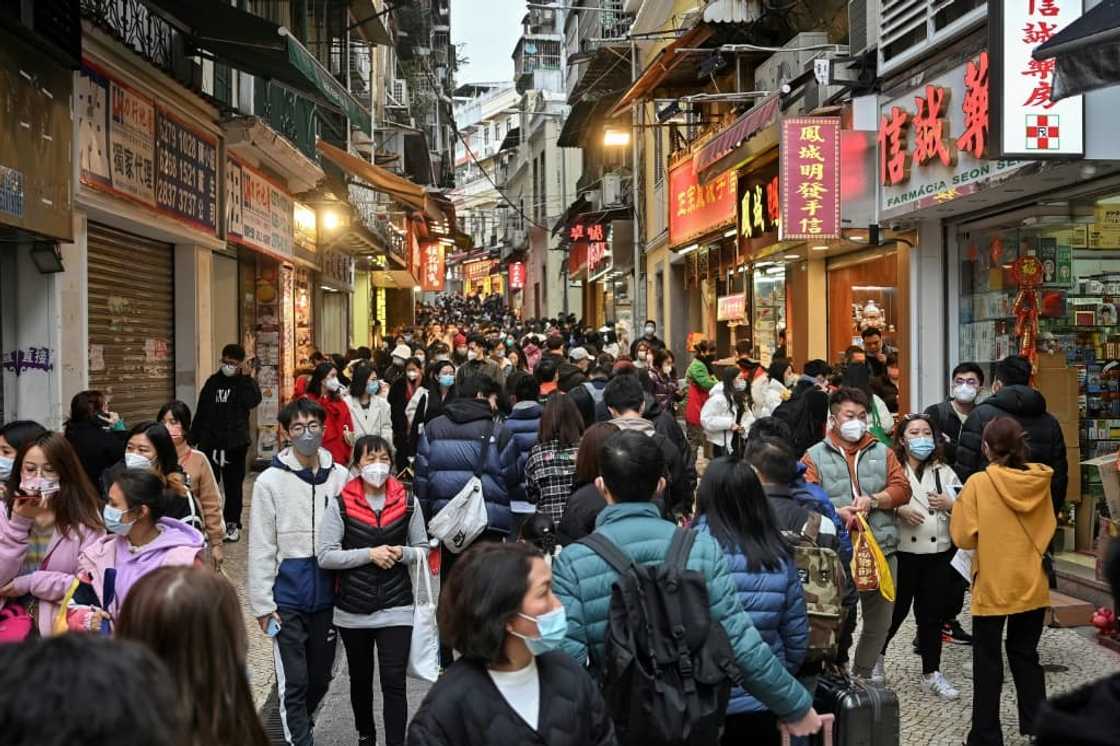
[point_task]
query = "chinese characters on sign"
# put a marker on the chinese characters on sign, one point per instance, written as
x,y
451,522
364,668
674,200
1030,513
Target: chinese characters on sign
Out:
x,y
132,143
596,256
432,270
1030,124
33,358
261,213
696,209
810,178
517,276
731,307
759,209
187,179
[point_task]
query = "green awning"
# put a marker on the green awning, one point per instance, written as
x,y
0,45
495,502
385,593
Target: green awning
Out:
x,y
261,47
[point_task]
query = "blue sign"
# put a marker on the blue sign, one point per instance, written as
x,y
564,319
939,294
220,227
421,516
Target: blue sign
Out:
x,y
186,172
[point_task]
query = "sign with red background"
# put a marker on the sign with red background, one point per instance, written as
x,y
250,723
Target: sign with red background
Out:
x,y
517,276
432,270
696,209
810,178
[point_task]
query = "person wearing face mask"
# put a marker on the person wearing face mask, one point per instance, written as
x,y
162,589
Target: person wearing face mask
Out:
x,y
220,429
13,436
769,391
649,336
400,394
459,356
141,538
176,417
97,446
500,614
289,594
370,412
663,377
728,414
50,514
949,415
861,474
925,548
370,536
326,389
701,377
1012,396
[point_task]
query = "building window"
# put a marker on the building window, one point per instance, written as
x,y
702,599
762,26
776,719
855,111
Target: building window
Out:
x,y
658,158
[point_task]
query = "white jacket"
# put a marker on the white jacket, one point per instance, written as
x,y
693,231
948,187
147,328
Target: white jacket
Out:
x,y
932,536
413,405
767,394
717,419
377,419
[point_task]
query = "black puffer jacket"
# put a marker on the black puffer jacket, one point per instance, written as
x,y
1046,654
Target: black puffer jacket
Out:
x,y
1044,435
1089,716
222,419
464,708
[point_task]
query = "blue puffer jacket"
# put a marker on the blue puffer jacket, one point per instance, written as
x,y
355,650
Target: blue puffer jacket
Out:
x,y
582,581
448,455
776,605
524,423
813,497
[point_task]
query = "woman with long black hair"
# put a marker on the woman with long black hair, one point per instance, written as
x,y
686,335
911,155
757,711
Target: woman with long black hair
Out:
x,y
326,388
734,510
727,415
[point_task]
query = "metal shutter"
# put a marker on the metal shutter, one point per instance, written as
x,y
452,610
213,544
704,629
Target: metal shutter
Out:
x,y
131,321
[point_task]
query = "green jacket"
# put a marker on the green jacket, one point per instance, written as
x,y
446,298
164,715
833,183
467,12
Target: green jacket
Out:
x,y
582,580
698,372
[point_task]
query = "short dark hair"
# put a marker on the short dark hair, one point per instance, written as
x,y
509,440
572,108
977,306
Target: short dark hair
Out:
x,y
854,350
968,368
1013,370
547,369
370,444
554,342
20,432
143,488
539,530
817,367
630,464
846,394
770,427
301,407
871,331
661,355
234,352
180,411
483,593
477,339
471,386
525,387
772,458
624,393
134,700
365,353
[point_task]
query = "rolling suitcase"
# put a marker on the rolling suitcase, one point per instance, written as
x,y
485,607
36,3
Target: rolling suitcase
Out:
x,y
824,736
866,715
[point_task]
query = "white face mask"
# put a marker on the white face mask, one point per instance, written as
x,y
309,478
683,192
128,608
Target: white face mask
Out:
x,y
137,461
965,393
472,355
228,370
853,430
332,384
667,369
740,384
375,474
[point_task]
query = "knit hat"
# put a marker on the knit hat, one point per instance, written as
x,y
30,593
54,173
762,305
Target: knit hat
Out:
x,y
402,351
460,340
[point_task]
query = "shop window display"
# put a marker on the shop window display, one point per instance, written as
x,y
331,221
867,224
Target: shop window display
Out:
x,y
769,309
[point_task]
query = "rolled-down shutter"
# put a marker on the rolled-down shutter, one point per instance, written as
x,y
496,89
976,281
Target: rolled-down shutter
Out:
x,y
131,321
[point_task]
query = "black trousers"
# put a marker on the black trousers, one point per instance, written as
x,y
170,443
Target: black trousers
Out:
x,y
446,562
392,645
922,581
754,728
304,655
1023,633
231,476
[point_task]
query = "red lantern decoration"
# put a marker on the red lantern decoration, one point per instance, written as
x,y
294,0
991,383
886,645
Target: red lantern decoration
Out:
x,y
1028,272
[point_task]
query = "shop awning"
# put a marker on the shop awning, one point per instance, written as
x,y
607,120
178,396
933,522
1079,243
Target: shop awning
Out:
x,y
261,47
765,113
1086,52
397,187
398,279
511,140
663,64
367,20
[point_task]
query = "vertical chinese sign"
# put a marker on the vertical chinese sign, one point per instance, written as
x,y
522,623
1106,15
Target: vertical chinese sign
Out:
x,y
810,179
432,269
517,276
1030,125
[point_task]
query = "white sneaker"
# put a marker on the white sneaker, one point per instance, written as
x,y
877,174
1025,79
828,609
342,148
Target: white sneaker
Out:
x,y
233,533
879,672
939,685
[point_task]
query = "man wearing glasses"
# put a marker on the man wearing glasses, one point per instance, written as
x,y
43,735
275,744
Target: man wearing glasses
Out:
x,y
289,594
950,414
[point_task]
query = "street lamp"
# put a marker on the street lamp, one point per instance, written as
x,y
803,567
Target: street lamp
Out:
x,y
613,137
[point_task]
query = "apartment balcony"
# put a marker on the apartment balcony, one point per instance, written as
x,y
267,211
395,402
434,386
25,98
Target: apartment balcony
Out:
x,y
598,50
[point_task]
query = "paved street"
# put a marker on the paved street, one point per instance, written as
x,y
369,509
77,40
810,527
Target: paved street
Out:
x,y
925,719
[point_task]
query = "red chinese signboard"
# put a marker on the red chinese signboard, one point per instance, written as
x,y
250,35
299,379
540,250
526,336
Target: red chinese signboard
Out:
x,y
476,271
696,209
590,247
517,276
760,208
810,178
432,271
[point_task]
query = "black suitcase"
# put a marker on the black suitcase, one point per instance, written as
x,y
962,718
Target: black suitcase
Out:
x,y
866,715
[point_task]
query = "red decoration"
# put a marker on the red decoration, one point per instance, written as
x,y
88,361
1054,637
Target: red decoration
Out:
x,y
931,129
516,275
995,250
894,162
432,271
810,180
974,139
1027,271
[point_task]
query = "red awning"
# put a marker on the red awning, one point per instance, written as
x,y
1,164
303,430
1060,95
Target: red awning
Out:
x,y
761,116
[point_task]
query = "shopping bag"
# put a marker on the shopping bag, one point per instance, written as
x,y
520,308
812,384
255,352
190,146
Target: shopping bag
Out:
x,y
464,517
870,571
423,656
16,623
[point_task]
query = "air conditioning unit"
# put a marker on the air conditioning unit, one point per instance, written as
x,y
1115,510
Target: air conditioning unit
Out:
x,y
863,25
612,189
399,93
781,67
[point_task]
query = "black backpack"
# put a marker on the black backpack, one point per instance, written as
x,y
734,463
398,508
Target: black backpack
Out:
x,y
795,413
668,667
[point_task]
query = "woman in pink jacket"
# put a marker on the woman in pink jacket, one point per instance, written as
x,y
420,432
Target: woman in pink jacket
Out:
x,y
50,514
140,539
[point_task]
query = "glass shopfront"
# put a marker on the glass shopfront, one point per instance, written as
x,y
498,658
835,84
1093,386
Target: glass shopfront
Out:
x,y
769,309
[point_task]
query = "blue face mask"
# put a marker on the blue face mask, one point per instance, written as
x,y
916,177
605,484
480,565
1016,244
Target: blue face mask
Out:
x,y
920,447
552,628
373,387
447,380
6,465
113,523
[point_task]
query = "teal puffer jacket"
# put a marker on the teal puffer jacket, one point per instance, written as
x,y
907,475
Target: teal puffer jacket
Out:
x,y
582,581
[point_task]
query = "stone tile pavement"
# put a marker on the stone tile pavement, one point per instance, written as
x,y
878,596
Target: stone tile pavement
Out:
x,y
1073,656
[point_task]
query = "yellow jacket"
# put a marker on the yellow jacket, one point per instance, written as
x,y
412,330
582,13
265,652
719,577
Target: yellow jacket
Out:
x,y
1007,516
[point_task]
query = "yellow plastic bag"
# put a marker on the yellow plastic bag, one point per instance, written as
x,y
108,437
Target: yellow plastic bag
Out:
x,y
870,571
60,625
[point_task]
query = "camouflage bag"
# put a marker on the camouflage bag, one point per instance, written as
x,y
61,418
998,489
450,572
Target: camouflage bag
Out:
x,y
822,581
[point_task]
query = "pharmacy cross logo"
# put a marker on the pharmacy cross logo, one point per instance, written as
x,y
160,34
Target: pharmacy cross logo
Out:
x,y
1042,132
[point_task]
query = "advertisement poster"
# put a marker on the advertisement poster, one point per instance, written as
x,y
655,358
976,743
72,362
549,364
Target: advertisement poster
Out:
x,y
132,130
280,216
93,128
233,198
187,181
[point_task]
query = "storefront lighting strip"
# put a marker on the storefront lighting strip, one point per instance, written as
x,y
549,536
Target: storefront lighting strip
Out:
x,y
689,249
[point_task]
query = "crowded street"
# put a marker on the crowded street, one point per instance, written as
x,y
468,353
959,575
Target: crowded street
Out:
x,y
559,373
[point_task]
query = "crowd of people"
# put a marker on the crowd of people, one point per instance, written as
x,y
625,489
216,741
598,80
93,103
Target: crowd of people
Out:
x,y
602,553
